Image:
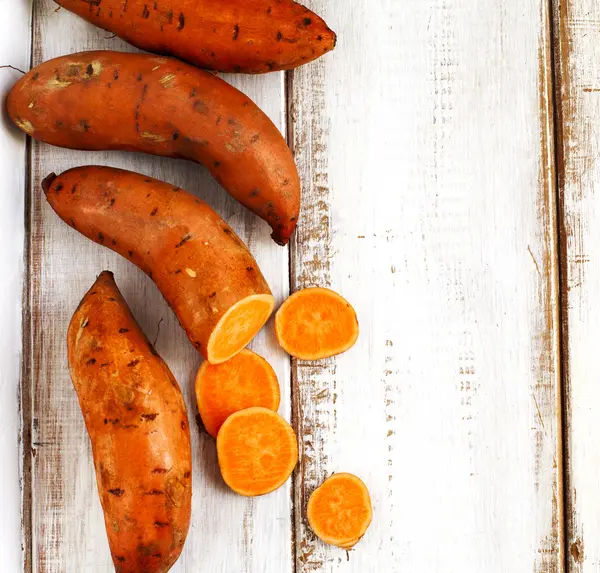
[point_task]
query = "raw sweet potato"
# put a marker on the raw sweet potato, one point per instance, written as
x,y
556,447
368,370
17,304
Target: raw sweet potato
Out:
x,y
244,381
250,36
204,271
339,511
137,422
257,451
316,323
138,102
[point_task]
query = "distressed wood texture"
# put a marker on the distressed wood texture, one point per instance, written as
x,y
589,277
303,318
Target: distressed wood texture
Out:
x,y
15,45
577,33
425,146
228,533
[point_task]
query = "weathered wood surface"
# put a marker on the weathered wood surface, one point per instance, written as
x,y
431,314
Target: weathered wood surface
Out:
x,y
425,147
577,29
229,533
14,51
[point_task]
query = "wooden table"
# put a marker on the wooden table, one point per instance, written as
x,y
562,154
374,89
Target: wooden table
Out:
x,y
448,151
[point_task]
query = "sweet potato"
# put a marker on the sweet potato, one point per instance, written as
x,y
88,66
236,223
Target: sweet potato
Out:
x,y
137,422
339,511
316,323
250,36
138,102
204,271
244,381
257,451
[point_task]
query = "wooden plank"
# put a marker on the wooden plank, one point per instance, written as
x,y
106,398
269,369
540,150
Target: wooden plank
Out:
x,y
15,42
577,36
228,533
425,147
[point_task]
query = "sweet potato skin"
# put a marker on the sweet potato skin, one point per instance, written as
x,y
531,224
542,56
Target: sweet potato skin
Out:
x,y
138,102
137,422
249,36
196,260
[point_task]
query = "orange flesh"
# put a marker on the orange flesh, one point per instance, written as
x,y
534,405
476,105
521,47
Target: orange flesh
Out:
x,y
238,327
244,381
339,512
316,323
349,545
257,451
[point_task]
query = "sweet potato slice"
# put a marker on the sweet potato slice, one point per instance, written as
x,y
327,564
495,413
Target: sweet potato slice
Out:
x,y
350,544
137,422
339,511
316,323
257,451
244,381
204,271
238,326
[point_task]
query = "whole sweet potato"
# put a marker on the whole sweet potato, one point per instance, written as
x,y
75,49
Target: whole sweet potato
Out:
x,y
204,271
250,36
137,422
137,102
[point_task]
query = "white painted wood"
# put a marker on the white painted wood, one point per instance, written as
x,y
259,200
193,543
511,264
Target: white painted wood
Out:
x,y
578,41
15,42
425,147
229,533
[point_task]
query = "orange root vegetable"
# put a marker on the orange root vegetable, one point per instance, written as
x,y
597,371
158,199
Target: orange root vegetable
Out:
x,y
137,422
244,381
137,102
257,451
235,36
204,271
340,512
316,323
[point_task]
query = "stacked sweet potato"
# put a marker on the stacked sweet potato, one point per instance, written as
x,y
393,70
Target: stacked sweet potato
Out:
x,y
133,407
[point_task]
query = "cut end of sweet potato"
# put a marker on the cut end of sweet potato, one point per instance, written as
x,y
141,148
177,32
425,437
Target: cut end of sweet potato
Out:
x,y
340,512
244,381
350,544
257,451
238,326
316,323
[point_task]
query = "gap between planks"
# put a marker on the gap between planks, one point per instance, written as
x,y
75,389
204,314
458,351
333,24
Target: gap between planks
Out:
x,y
551,270
560,84
556,85
288,90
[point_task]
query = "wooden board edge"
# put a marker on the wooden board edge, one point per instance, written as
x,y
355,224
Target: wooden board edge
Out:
x,y
562,54
288,90
26,384
550,299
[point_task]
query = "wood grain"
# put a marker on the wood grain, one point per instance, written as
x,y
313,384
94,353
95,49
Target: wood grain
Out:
x,y
577,38
424,143
425,146
15,45
228,533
